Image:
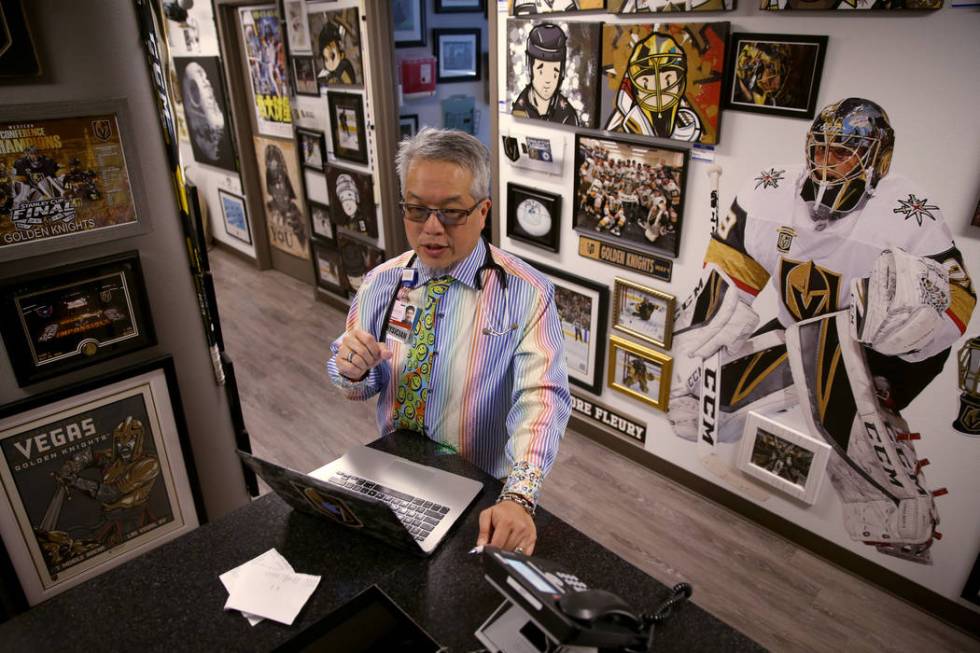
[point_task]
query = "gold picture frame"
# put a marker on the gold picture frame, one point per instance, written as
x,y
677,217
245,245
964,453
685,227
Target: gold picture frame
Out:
x,y
634,318
624,374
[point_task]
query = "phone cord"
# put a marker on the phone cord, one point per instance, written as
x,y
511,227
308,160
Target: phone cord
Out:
x,y
679,593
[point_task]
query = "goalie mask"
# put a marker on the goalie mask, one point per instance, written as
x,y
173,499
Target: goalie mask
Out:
x,y
657,74
849,148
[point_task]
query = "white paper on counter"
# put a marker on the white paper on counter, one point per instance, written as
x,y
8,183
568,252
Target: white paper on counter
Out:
x,y
271,559
273,594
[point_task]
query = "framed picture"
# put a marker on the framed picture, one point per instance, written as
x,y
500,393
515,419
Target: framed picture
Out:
x,y
312,148
206,111
583,308
297,26
336,43
279,175
347,127
574,100
639,372
304,76
409,21
534,7
782,457
316,186
775,73
628,8
845,5
329,274
534,216
352,200
72,316
643,312
460,6
541,152
691,77
458,54
408,126
95,475
357,259
72,186
320,220
264,42
235,216
630,194
18,59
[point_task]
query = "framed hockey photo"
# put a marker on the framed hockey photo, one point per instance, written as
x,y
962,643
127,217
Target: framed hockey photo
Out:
x,y
643,312
777,74
352,200
234,215
783,457
583,309
312,148
304,76
347,127
534,217
639,372
320,220
95,475
69,317
458,54
630,194
409,21
329,274
69,177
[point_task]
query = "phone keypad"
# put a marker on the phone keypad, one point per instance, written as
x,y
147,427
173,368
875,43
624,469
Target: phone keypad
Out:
x,y
572,582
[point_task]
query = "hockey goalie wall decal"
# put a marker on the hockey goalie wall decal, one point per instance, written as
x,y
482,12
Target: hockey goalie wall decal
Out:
x,y
869,303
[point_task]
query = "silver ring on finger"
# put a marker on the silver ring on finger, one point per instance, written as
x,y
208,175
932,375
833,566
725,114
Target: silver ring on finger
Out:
x,y
350,357
519,549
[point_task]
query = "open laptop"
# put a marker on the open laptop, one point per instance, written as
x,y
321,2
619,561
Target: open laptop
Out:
x,y
402,503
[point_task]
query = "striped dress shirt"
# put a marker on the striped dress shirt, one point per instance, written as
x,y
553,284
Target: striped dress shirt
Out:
x,y
501,401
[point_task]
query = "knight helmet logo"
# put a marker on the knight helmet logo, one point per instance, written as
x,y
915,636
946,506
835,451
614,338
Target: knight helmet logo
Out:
x,y
102,129
808,289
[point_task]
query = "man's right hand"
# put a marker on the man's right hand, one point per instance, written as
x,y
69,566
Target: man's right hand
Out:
x,y
359,353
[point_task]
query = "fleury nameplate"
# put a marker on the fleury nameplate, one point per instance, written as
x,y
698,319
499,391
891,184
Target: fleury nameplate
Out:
x,y
609,418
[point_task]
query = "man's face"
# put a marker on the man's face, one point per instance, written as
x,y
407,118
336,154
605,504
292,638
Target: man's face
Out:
x,y
544,77
835,162
349,204
442,185
331,56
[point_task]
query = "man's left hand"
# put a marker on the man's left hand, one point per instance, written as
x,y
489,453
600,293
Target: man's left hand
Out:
x,y
508,526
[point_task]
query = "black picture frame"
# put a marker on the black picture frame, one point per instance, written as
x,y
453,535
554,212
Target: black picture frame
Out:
x,y
320,222
352,206
448,69
312,147
18,59
409,23
345,107
800,57
328,267
105,300
307,85
408,125
357,259
212,142
534,217
147,392
231,205
460,6
587,374
669,185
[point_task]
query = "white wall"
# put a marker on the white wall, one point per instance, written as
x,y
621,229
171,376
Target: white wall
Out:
x,y
922,68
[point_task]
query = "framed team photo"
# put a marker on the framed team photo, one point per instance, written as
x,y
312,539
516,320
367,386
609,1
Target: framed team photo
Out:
x,y
69,317
630,194
304,76
534,217
95,475
320,220
234,216
347,127
458,54
643,312
639,372
312,148
777,74
783,457
583,309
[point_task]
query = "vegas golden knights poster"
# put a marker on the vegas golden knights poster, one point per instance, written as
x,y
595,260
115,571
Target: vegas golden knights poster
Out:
x,y
62,176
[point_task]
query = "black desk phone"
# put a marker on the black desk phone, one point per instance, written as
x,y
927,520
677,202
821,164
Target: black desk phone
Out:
x,y
562,605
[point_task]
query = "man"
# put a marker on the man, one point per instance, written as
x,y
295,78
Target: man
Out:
x,y
546,53
497,392
840,235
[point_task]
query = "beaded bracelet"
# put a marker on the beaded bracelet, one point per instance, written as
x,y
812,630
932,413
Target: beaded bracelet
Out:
x,y
519,500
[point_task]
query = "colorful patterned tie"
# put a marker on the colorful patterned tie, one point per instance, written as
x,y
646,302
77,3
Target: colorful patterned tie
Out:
x,y
413,384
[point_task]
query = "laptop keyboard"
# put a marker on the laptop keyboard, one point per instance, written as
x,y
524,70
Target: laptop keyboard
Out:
x,y
418,515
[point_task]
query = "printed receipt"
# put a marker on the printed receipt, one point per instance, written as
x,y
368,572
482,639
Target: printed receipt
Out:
x,y
267,587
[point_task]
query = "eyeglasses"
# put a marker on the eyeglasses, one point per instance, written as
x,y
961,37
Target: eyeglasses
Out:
x,y
419,213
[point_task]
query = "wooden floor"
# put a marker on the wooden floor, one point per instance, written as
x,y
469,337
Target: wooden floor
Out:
x,y
778,594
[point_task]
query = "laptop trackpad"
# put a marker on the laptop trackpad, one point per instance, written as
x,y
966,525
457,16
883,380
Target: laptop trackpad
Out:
x,y
405,475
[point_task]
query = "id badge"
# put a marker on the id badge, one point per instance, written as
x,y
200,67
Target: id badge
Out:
x,y
403,318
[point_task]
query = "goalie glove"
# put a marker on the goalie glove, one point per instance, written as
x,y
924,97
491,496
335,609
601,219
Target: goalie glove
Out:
x,y
899,309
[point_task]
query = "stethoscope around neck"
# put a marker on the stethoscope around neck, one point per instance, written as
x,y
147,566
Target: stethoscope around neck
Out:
x,y
489,265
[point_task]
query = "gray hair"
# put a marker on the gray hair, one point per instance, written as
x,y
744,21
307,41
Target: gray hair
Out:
x,y
450,145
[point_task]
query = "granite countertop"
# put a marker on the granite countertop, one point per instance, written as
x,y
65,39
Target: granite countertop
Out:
x,y
171,599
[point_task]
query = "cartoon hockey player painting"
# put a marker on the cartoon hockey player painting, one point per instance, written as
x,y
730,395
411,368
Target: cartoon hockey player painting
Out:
x,y
872,293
